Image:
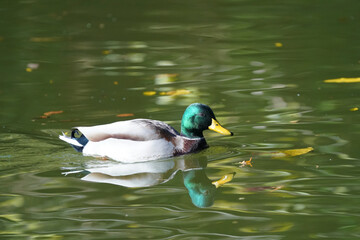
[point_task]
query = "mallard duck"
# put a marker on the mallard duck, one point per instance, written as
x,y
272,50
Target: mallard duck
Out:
x,y
140,140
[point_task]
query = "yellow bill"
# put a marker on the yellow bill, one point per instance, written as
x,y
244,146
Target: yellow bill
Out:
x,y
215,126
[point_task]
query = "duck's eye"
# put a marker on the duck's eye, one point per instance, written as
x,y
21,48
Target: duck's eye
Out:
x,y
201,114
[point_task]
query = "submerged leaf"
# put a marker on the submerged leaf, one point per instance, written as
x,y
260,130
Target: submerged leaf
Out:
x,y
44,39
225,179
343,80
106,52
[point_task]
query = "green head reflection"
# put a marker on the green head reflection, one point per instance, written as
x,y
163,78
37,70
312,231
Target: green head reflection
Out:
x,y
201,190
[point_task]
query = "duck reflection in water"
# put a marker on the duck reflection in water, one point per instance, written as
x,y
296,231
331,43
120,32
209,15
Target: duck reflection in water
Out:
x,y
201,189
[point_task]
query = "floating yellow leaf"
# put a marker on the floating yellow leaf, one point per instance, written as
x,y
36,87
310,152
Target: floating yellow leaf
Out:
x,y
354,109
28,69
292,152
116,83
175,92
343,80
225,179
149,93
278,44
169,93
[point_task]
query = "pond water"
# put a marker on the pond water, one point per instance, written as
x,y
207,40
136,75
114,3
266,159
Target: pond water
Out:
x,y
261,67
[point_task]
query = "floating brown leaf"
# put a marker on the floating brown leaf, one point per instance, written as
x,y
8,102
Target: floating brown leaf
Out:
x,y
125,115
52,113
246,163
48,114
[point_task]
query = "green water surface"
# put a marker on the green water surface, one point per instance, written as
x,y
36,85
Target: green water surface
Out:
x,y
260,65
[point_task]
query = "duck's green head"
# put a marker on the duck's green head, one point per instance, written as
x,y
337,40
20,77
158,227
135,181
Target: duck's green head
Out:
x,y
197,118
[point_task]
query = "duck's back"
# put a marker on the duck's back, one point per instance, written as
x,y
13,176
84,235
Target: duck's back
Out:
x,y
135,130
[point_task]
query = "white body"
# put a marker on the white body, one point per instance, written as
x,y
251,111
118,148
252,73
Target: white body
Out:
x,y
129,151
